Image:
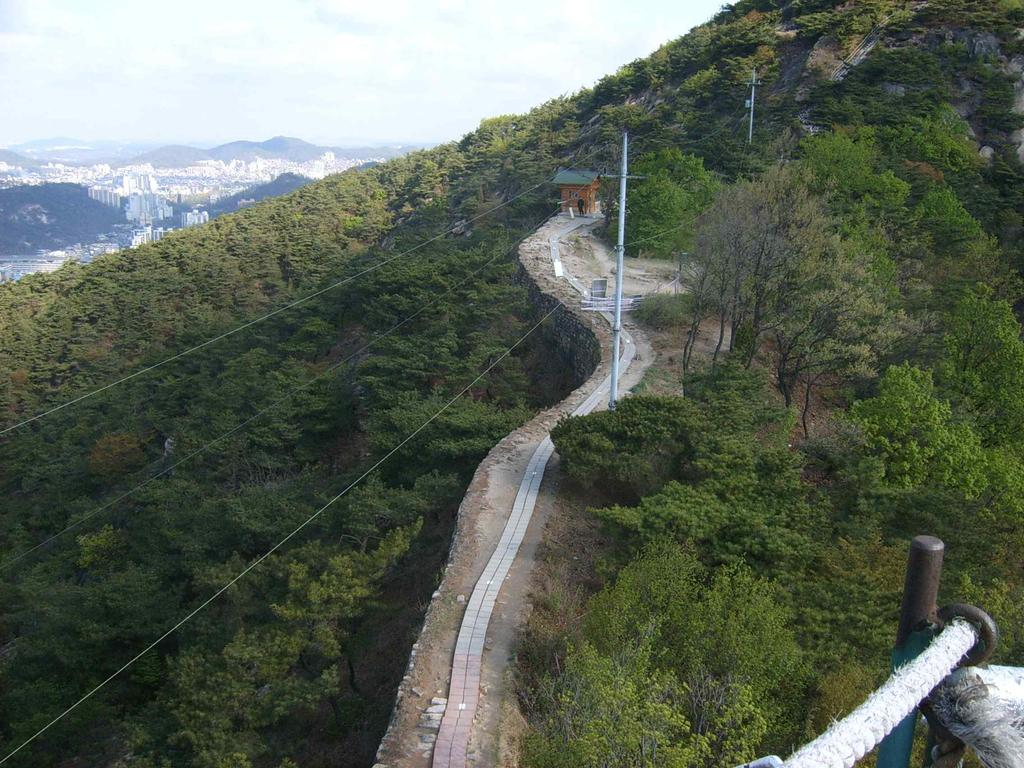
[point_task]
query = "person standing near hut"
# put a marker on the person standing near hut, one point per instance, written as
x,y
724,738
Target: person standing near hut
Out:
x,y
578,190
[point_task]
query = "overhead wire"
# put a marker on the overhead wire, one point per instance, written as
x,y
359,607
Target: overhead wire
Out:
x,y
656,235
255,321
170,468
253,417
274,312
728,124
249,420
189,616
241,574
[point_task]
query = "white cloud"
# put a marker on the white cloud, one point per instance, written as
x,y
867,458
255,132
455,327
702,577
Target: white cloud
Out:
x,y
327,70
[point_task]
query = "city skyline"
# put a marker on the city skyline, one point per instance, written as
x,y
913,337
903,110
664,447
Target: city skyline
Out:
x,y
333,72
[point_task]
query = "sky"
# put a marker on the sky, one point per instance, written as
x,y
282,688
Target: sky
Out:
x,y
328,71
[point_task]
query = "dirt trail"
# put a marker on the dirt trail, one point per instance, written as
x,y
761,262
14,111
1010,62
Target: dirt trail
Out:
x,y
487,505
587,257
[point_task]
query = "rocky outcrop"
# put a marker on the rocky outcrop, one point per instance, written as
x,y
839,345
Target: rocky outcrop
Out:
x,y
1015,67
979,44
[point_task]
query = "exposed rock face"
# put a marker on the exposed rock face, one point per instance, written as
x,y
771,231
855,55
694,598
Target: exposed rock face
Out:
x,y
825,56
793,69
1016,67
978,43
1017,137
818,63
968,98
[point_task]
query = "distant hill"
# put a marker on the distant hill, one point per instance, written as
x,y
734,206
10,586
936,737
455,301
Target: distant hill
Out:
x,y
282,185
51,216
72,151
13,158
171,156
277,148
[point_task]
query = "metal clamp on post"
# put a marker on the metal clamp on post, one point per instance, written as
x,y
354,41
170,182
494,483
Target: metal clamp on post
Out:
x,y
988,632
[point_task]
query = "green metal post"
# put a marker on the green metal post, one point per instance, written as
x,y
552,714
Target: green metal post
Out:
x,y
916,629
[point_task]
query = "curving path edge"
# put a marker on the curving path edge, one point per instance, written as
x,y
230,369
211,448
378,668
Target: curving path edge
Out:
x,y
464,690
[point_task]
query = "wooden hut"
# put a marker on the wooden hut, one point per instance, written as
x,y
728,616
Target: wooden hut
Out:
x,y
579,191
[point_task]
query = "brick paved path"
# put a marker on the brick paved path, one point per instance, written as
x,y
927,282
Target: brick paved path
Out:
x,y
464,691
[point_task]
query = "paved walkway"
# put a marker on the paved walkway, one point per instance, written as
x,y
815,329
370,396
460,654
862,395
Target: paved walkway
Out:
x,y
464,692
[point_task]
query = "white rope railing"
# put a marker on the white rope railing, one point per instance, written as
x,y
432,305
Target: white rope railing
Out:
x,y
852,738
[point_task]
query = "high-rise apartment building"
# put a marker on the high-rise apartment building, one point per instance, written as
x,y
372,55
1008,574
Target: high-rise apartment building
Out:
x,y
194,218
106,196
146,208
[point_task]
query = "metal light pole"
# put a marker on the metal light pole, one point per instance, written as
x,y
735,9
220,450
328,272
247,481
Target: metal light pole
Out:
x,y
620,248
753,93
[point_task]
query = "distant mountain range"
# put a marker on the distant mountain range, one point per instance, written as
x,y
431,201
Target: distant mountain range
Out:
x,y
75,152
64,149
277,148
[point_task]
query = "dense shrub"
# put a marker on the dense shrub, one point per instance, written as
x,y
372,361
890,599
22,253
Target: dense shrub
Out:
x,y
665,311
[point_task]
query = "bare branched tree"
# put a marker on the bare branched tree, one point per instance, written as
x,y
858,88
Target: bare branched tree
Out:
x,y
770,267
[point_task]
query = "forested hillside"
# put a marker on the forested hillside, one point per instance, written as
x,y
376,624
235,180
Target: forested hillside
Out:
x,y
301,660
843,373
855,268
51,216
283,184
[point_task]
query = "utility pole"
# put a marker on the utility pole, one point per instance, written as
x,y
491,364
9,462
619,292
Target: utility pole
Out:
x,y
750,103
620,248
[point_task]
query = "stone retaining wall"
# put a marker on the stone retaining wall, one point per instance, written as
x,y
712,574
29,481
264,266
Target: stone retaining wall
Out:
x,y
573,338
